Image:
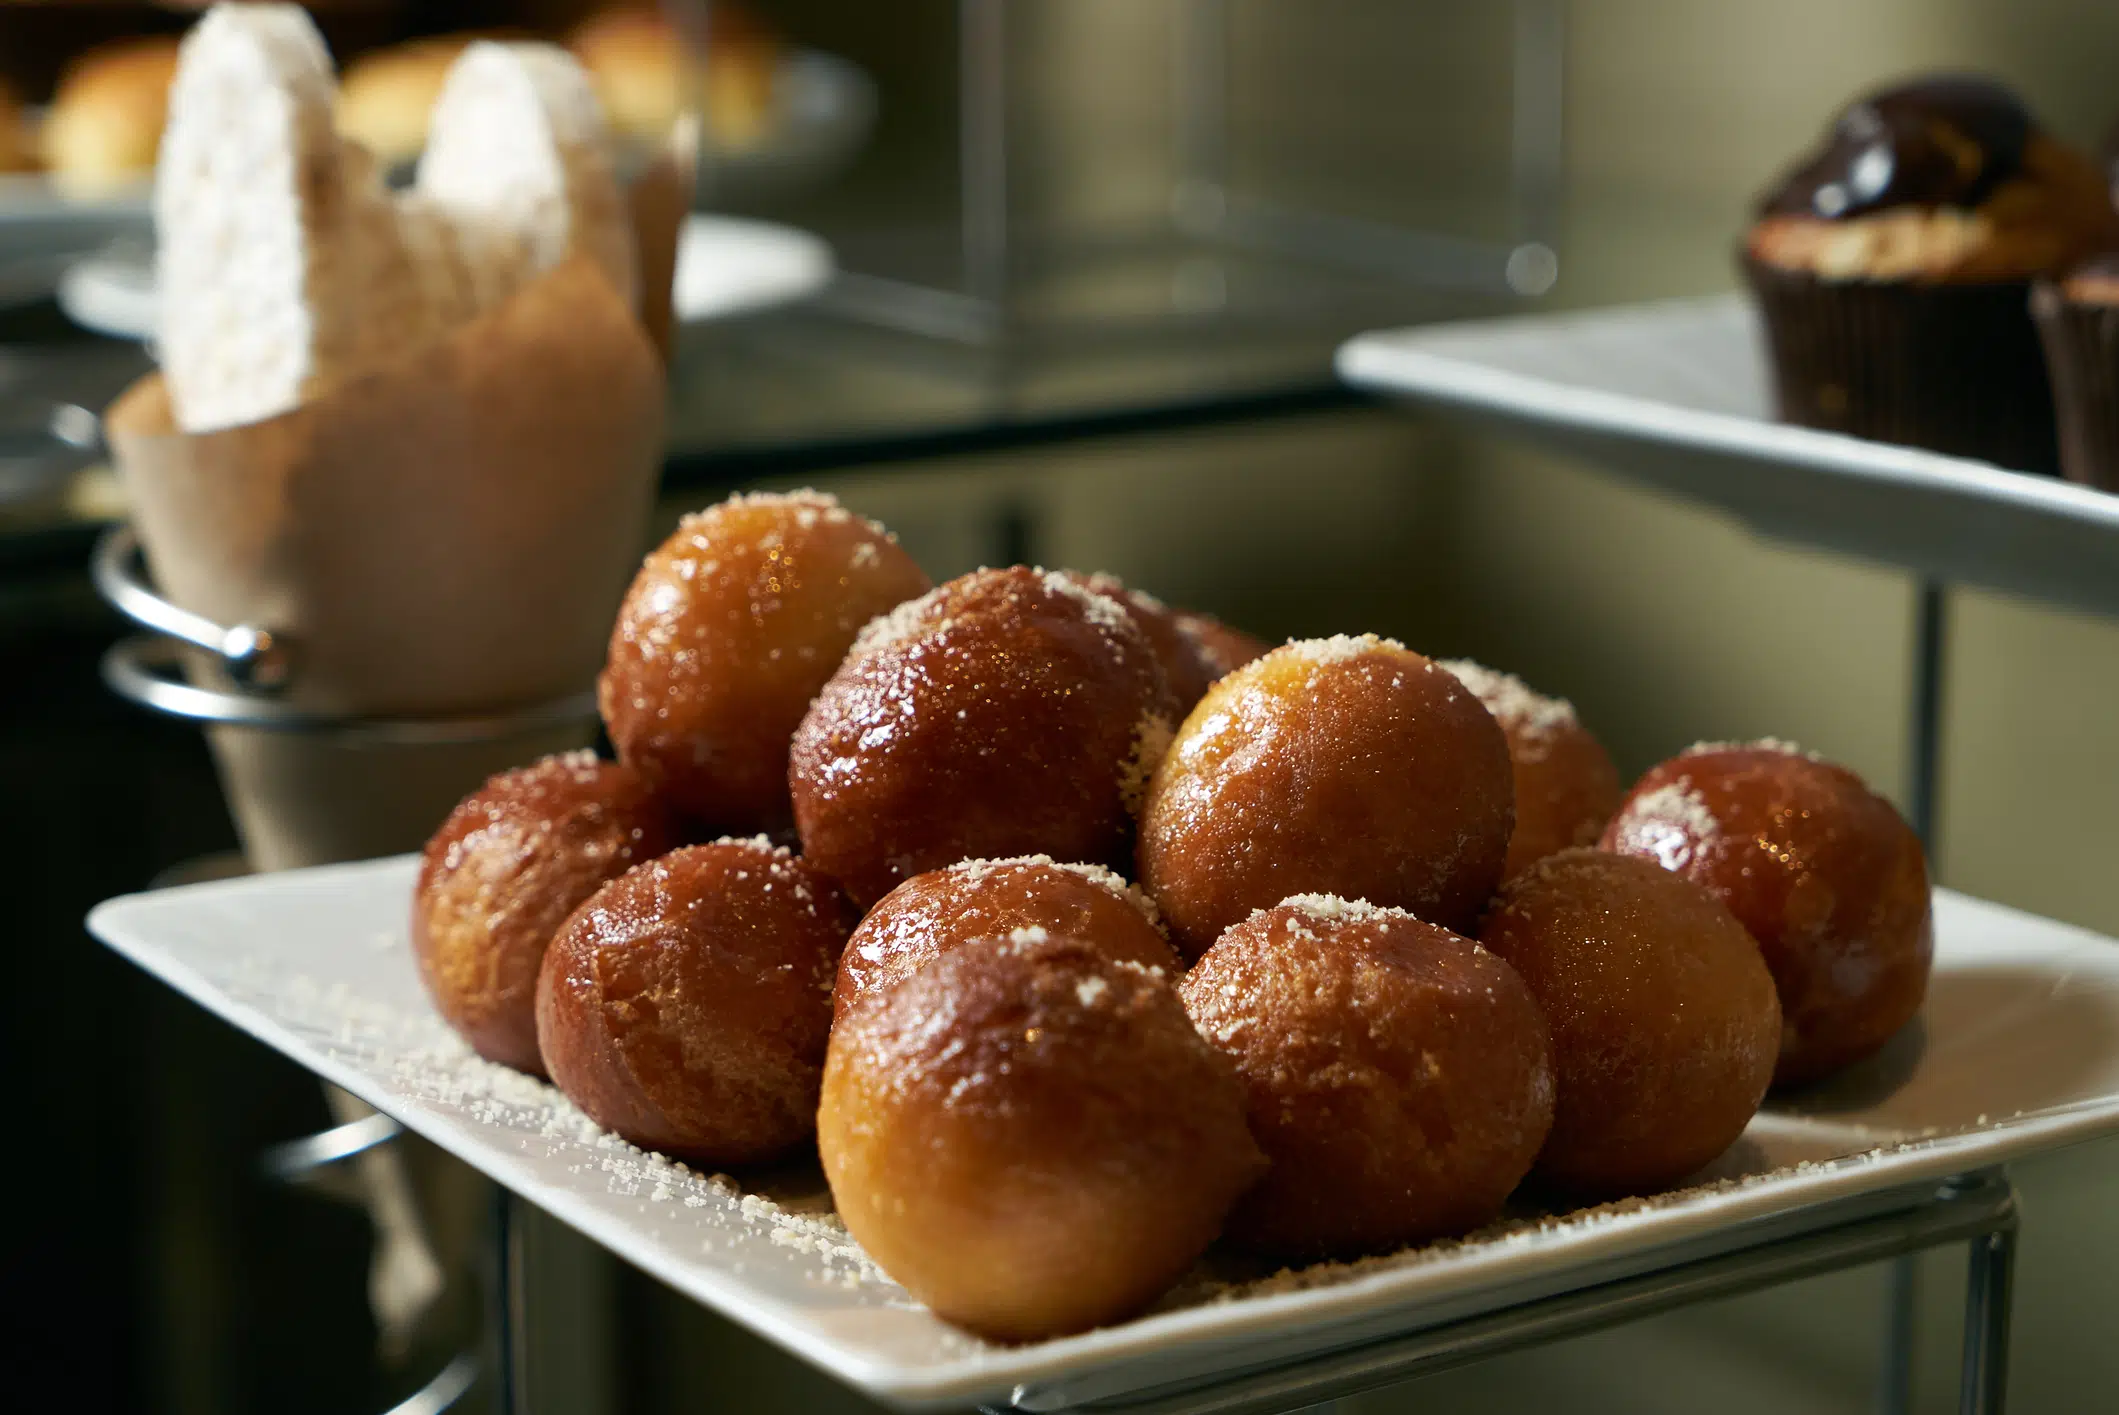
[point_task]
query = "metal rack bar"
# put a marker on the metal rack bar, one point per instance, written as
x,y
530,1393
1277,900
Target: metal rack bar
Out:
x,y
1980,1208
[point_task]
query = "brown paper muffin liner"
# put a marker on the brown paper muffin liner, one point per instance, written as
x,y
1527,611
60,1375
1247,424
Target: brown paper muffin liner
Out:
x,y
2082,358
1952,368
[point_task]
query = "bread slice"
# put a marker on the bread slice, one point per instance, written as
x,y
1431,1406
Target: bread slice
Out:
x,y
519,161
279,260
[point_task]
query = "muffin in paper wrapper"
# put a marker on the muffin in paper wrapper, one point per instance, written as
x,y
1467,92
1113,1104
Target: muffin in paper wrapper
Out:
x,y
2082,358
1954,368
446,535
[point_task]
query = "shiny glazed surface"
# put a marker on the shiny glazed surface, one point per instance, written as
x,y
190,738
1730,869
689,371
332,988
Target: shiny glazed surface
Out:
x,y
1345,766
501,875
686,1005
1030,1136
1009,712
1664,1022
933,913
1398,1076
1825,874
1185,661
1566,785
729,629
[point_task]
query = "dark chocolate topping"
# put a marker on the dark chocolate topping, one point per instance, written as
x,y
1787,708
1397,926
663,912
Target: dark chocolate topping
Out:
x,y
1947,140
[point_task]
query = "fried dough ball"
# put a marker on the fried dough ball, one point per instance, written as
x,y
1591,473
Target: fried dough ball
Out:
x,y
1227,649
1664,1023
1398,1076
1185,663
728,631
1009,712
502,874
686,1005
1030,1136
1823,872
930,914
1566,786
1347,766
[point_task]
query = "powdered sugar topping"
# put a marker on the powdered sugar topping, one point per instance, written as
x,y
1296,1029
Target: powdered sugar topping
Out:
x,y
1761,744
1528,717
1671,823
1105,611
1332,909
975,872
1340,648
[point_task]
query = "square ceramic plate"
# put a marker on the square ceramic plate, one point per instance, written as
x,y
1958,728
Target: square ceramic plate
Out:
x,y
2017,1050
1677,395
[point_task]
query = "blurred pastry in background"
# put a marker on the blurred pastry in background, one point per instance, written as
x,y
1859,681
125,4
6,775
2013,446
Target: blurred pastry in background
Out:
x,y
105,122
1893,266
2078,320
647,75
384,96
18,144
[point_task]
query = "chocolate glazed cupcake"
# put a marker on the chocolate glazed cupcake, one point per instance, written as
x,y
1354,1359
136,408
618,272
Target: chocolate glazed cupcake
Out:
x,y
2078,318
1894,270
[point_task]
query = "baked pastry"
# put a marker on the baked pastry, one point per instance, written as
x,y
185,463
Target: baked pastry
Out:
x,y
104,127
1347,766
18,138
930,914
1008,712
685,1005
504,872
2078,323
386,96
1826,875
730,629
521,164
1227,649
1185,661
1030,1136
648,75
1566,786
1664,1023
1398,1076
1893,268
284,264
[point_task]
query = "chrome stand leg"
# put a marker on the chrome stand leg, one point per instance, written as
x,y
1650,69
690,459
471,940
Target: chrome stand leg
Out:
x,y
505,1356
1894,1386
1989,1279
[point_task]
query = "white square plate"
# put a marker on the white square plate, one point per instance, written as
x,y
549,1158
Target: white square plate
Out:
x,y
2016,1051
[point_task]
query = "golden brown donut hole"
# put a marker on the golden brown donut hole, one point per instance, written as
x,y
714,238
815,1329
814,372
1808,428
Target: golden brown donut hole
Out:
x,y
1823,872
1030,1136
1664,1023
1566,785
1397,1076
729,629
1343,766
930,914
1009,712
501,875
1186,666
1226,647
686,1005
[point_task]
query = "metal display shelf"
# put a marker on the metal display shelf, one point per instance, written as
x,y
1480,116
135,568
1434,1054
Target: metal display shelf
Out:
x,y
1676,396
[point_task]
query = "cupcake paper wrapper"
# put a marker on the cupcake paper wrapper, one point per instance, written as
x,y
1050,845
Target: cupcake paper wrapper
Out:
x,y
1952,368
2082,355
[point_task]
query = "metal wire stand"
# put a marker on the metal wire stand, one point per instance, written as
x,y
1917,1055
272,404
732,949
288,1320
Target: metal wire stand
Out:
x,y
1977,1209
